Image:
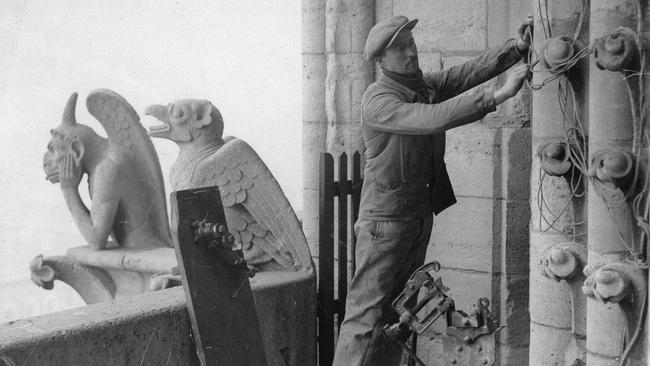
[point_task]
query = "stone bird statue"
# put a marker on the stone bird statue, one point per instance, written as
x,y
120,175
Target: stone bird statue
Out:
x,y
258,213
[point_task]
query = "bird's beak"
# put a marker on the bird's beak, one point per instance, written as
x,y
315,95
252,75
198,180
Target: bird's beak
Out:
x,y
160,113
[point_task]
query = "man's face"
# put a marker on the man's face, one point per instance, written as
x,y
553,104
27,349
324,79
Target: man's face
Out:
x,y
402,55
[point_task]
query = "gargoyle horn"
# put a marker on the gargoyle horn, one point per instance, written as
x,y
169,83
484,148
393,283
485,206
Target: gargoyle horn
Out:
x,y
69,118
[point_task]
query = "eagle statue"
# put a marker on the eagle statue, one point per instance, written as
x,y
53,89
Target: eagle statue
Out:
x,y
257,212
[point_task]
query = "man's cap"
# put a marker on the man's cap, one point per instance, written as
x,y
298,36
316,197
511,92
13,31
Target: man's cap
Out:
x,y
383,34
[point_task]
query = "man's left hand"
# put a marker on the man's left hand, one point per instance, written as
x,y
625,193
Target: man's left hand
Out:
x,y
525,32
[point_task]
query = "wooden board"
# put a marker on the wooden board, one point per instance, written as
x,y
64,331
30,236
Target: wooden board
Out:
x,y
225,328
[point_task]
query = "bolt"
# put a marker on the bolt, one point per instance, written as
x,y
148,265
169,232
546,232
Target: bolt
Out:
x,y
466,323
453,361
485,361
480,348
459,348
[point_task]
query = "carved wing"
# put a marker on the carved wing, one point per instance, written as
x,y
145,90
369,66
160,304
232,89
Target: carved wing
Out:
x,y
264,217
122,125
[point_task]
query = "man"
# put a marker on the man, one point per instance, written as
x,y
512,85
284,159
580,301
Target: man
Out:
x,y
404,118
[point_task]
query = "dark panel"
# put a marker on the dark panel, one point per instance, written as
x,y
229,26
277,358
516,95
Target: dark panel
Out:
x,y
219,298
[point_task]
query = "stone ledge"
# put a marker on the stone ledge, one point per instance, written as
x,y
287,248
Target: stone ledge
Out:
x,y
154,328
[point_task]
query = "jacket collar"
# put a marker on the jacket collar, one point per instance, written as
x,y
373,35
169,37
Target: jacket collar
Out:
x,y
410,93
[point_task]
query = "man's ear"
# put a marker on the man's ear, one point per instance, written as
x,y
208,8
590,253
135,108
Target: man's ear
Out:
x,y
380,60
77,149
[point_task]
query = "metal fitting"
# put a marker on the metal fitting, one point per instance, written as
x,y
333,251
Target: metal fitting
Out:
x,y
556,52
554,158
617,51
613,282
614,167
561,261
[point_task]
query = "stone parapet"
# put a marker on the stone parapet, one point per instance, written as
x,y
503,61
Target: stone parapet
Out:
x,y
154,328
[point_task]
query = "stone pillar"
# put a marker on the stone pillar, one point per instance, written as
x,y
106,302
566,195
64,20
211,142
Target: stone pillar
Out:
x,y
611,224
558,225
335,75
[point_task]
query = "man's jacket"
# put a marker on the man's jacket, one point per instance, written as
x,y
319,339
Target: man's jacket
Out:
x,y
404,135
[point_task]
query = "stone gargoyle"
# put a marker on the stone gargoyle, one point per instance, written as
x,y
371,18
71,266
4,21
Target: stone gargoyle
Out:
x,y
257,211
128,203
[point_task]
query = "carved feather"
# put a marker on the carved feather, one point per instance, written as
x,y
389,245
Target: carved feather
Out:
x,y
245,181
125,133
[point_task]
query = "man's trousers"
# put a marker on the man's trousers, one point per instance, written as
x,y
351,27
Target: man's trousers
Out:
x,y
387,253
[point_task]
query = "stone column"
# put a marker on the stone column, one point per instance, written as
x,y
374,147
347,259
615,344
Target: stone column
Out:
x,y
335,75
611,224
558,226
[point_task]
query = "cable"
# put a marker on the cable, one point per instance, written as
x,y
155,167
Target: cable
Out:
x,y
408,350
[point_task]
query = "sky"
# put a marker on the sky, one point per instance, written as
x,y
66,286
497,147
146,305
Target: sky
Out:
x,y
243,56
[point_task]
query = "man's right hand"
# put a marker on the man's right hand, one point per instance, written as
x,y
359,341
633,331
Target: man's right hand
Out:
x,y
514,81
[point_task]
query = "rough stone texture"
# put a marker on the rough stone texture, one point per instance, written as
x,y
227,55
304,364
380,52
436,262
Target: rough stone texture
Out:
x,y
556,341
334,80
474,149
383,9
154,329
313,26
446,24
313,89
610,125
462,236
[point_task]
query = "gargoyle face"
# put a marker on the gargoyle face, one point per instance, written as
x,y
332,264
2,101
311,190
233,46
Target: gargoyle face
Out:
x,y
58,147
183,120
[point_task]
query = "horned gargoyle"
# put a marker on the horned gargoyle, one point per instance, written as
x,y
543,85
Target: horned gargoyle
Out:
x,y
257,211
126,190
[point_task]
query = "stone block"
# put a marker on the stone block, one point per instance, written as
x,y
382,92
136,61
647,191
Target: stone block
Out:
x,y
473,155
310,220
313,144
346,137
348,24
154,328
546,110
607,227
430,61
608,322
463,235
313,87
446,24
609,112
548,345
515,232
550,301
498,21
514,310
504,18
349,75
383,9
516,164
516,111
512,356
606,15
554,205
313,26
